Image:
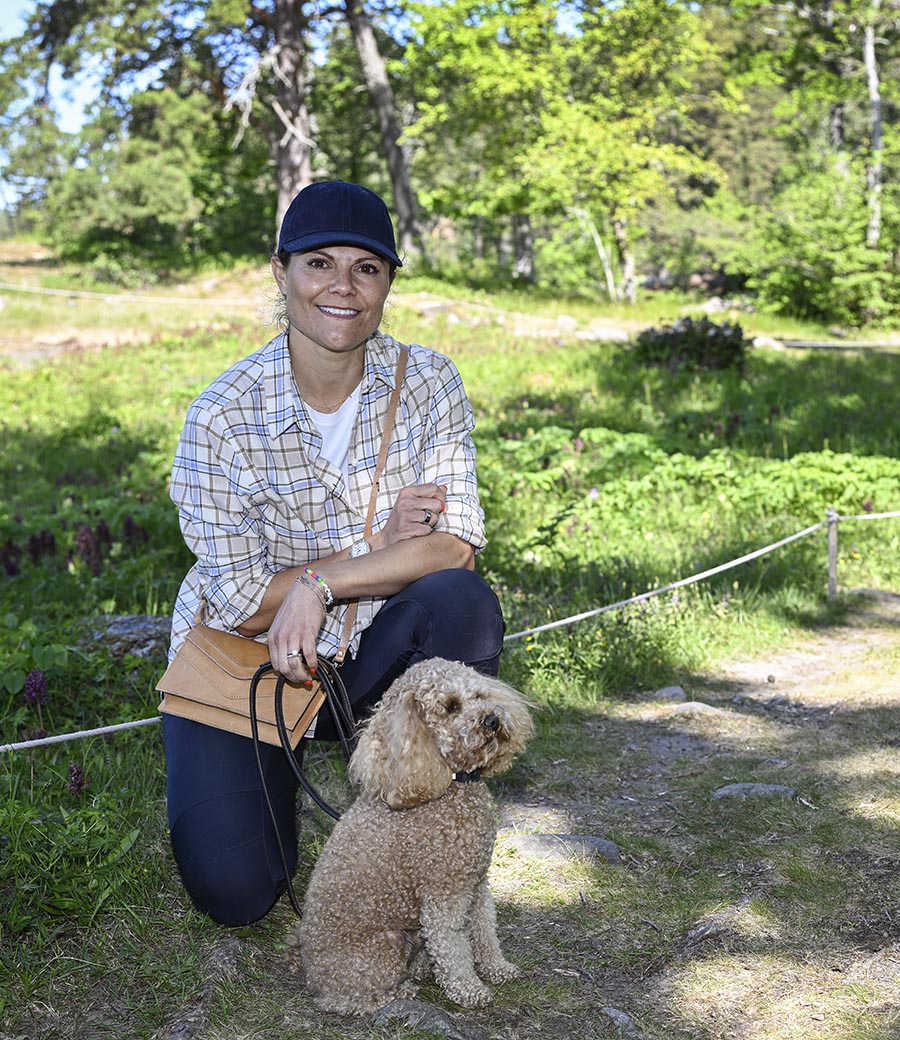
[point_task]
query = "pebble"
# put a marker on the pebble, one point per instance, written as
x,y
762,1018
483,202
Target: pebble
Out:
x,y
698,708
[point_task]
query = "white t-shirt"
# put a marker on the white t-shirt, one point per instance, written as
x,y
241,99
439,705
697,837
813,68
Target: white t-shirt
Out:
x,y
336,428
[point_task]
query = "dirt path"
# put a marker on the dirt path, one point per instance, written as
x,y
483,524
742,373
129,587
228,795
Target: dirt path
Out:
x,y
809,937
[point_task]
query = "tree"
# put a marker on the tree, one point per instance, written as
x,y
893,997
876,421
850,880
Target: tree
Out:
x,y
33,150
481,73
406,207
838,63
162,188
247,55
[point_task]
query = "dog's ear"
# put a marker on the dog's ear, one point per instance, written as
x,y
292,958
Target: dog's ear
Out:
x,y
396,758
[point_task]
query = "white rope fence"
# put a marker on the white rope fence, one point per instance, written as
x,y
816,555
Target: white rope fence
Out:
x,y
832,520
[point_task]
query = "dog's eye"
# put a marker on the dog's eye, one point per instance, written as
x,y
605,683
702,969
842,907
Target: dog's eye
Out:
x,y
452,706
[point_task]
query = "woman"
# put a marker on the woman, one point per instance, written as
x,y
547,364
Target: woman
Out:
x,y
272,479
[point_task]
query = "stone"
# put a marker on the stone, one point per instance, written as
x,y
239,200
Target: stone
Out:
x,y
622,1020
138,634
425,1017
698,708
564,847
671,693
751,790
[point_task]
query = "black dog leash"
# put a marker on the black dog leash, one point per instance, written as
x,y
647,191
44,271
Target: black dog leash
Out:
x,y
338,701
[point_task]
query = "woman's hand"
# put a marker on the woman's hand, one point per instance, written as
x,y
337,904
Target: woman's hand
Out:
x,y
294,632
415,514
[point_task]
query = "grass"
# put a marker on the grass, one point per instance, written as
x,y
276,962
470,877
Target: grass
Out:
x,y
600,480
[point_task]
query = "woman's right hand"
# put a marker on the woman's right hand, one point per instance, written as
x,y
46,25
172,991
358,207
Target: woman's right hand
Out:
x,y
294,633
416,513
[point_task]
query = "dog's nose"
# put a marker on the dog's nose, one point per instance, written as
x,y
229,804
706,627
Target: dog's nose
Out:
x,y
492,723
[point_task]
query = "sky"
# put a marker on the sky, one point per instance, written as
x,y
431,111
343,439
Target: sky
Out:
x,y
69,98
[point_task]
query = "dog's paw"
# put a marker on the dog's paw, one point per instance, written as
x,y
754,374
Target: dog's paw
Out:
x,y
502,971
472,994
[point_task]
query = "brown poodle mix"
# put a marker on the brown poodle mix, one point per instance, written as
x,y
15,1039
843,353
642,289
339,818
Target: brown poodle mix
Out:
x,y
400,889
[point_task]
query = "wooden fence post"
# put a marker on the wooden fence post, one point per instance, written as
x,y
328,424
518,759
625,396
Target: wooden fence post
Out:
x,y
832,517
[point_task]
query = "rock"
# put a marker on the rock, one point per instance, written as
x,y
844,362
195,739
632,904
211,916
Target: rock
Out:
x,y
768,343
690,708
749,790
566,323
427,1018
139,634
603,334
564,847
622,1020
671,693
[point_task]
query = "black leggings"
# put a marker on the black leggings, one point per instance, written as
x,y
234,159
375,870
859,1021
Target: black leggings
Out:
x,y
221,831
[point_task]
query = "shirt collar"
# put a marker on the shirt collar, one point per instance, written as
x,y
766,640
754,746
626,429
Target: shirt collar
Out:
x,y
283,402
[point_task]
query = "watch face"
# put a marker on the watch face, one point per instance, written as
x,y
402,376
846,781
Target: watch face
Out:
x,y
359,548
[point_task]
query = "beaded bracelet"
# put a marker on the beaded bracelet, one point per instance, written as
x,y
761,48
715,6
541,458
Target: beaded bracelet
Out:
x,y
320,585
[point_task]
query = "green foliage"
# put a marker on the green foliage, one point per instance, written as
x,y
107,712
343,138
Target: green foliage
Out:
x,y
163,186
63,860
575,148
693,344
809,256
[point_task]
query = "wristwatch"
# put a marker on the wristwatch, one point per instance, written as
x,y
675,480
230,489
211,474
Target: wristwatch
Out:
x,y
360,548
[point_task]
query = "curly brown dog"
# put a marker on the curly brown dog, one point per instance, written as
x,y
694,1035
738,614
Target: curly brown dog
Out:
x,y
406,867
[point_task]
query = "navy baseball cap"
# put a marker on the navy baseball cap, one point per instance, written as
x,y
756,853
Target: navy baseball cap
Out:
x,y
338,213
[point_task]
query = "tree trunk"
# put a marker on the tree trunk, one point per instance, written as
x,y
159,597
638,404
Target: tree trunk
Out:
x,y
523,248
587,222
292,151
873,172
406,209
626,255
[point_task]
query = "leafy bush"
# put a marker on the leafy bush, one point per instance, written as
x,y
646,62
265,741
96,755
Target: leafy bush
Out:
x,y
808,255
693,344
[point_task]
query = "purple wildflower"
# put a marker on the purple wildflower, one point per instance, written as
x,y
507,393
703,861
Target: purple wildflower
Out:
x,y
77,781
36,691
103,533
41,544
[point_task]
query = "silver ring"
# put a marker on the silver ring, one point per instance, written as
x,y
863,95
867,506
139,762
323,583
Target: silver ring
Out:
x,y
428,516
295,653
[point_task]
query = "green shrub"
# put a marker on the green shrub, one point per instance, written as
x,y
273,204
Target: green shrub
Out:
x,y
693,344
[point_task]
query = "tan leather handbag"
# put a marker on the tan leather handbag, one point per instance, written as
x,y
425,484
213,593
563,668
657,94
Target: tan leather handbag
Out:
x,y
209,681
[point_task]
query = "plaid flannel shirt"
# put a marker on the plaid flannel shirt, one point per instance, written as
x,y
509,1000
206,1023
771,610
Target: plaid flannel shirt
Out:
x,y
255,495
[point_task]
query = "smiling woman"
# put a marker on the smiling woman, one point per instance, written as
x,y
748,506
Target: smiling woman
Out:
x,y
273,477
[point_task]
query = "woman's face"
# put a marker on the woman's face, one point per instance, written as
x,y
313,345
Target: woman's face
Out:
x,y
334,297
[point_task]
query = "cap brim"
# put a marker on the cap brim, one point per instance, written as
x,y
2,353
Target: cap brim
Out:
x,y
339,238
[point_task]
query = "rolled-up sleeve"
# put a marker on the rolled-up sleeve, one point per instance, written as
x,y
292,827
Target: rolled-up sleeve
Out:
x,y
448,454
218,521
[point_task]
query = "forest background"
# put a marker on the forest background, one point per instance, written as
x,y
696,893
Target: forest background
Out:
x,y
580,148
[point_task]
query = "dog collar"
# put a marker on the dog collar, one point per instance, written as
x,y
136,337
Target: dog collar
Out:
x,y
467,778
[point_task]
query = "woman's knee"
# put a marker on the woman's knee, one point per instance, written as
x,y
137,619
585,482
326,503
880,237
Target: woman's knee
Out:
x,y
466,619
233,878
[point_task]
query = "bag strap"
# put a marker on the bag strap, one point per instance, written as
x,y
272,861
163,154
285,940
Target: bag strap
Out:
x,y
353,606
